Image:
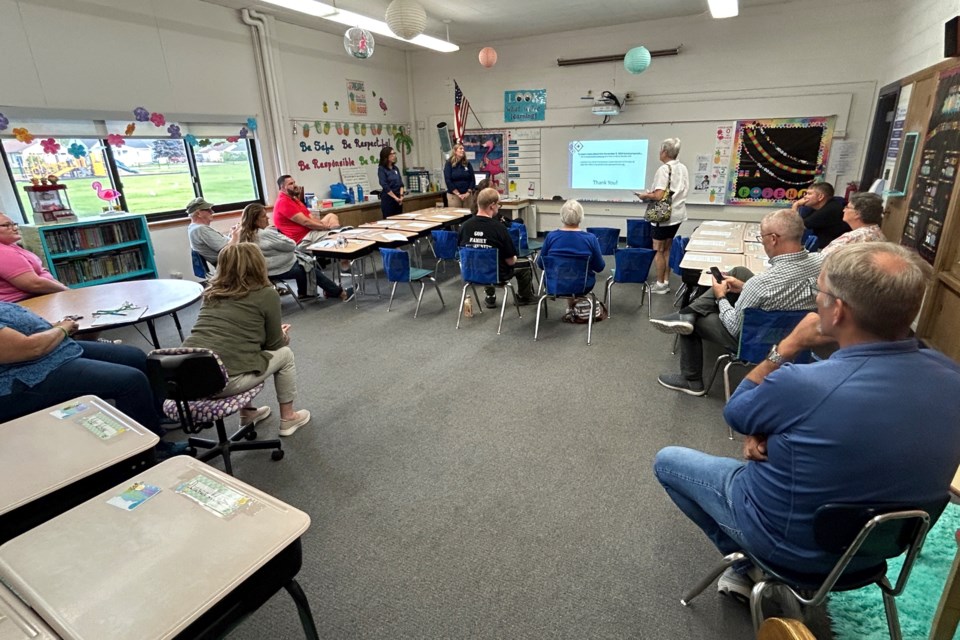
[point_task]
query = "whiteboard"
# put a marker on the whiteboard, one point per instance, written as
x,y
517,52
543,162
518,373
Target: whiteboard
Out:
x,y
696,139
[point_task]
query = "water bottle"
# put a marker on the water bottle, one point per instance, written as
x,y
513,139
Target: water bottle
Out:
x,y
351,198
359,193
468,307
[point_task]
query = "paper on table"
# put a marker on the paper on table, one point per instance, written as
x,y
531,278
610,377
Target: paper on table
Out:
x,y
419,225
394,237
406,216
462,210
718,234
323,244
129,315
386,222
443,216
706,243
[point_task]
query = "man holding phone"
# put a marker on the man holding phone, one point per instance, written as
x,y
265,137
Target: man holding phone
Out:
x,y
718,314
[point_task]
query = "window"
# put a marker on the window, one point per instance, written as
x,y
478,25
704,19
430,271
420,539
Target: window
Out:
x,y
154,176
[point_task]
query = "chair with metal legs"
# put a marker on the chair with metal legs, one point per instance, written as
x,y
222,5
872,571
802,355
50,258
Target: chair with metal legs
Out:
x,y
444,247
480,266
639,234
565,278
396,264
872,534
632,266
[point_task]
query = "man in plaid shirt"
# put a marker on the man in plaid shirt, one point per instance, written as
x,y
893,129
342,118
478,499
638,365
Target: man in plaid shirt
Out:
x,y
718,314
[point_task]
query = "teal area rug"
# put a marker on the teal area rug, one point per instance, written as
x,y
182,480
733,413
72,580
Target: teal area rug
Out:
x,y
858,615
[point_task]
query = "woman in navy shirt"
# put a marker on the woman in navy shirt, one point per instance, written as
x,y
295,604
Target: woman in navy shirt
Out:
x,y
391,183
458,175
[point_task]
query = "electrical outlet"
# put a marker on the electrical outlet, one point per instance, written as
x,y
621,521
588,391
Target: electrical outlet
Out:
x,y
629,96
176,275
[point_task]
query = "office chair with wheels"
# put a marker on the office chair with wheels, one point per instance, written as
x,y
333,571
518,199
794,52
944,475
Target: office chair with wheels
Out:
x,y
608,238
632,265
870,533
639,234
396,264
480,266
565,278
188,378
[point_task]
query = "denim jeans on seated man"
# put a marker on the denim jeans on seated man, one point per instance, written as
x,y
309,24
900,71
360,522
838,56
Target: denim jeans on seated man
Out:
x,y
524,275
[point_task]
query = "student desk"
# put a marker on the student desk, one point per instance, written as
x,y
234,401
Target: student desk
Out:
x,y
353,251
178,549
18,622
50,464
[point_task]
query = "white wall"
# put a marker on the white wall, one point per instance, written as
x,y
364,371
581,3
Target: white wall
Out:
x,y
917,41
795,50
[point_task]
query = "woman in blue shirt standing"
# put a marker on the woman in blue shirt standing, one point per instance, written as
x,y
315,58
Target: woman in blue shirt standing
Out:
x,y
391,183
458,175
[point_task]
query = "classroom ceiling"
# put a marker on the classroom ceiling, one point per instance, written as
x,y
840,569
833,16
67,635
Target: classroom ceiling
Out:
x,y
480,22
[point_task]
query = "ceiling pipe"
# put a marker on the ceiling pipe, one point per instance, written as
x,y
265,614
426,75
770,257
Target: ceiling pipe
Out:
x,y
659,53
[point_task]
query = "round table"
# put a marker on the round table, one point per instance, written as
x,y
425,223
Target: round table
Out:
x,y
160,297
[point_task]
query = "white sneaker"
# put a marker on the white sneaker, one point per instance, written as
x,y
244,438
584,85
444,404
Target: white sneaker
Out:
x,y
735,585
660,288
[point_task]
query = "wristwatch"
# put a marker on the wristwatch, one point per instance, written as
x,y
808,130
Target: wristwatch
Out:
x,y
775,357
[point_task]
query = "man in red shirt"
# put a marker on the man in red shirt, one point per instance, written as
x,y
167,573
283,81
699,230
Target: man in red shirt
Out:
x,y
293,218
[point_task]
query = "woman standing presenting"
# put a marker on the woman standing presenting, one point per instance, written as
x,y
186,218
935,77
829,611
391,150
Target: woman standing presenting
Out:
x,y
391,183
240,322
283,259
672,176
458,175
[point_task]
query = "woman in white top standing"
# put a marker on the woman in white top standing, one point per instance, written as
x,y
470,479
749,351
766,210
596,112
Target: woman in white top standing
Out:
x,y
674,176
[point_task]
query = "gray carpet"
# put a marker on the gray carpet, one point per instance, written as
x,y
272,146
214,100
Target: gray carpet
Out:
x,y
467,485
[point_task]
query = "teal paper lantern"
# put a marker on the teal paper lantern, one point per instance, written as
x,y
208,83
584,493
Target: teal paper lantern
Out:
x,y
637,60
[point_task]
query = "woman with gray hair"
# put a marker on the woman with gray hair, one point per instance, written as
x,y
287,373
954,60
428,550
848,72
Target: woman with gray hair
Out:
x,y
863,215
672,176
572,241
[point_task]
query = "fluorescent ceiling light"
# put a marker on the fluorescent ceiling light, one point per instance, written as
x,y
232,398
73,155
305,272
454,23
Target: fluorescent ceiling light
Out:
x,y
723,8
351,19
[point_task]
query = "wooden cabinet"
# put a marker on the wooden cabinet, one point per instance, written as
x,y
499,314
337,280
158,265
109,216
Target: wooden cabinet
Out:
x,y
91,252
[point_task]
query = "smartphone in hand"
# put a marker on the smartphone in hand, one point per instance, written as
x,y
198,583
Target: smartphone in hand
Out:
x,y
716,274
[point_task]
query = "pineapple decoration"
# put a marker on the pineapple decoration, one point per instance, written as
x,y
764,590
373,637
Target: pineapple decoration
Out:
x,y
325,107
326,128
306,130
346,128
336,105
317,126
339,129
363,129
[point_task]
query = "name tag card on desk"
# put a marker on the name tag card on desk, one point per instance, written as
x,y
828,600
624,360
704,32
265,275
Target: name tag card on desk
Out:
x,y
715,246
125,565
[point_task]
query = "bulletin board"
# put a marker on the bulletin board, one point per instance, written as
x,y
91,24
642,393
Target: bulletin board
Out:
x,y
324,150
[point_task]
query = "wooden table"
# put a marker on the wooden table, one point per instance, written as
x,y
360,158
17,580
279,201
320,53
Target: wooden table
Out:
x,y
49,464
150,557
353,251
160,297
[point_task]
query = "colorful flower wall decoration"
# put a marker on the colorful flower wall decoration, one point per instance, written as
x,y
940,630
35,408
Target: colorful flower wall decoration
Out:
x,y
130,129
174,131
158,119
191,140
77,150
205,142
252,124
115,139
50,146
141,115
22,135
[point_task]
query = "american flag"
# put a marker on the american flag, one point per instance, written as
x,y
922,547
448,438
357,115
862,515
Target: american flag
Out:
x,y
461,109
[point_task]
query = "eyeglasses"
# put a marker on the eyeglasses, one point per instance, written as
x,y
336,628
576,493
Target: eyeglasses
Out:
x,y
9,225
814,290
761,236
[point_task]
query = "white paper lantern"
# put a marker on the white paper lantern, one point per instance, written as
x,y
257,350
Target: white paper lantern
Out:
x,y
358,42
406,18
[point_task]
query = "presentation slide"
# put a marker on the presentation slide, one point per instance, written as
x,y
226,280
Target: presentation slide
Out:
x,y
608,164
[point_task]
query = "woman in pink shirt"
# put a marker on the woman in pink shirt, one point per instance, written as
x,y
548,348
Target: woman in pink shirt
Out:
x,y
21,273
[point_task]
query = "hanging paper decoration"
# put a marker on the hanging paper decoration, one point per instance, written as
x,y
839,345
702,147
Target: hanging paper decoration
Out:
x,y
252,124
77,150
233,139
406,18
346,128
358,43
174,131
637,60
326,128
50,146
141,115
306,130
383,106
157,119
22,135
243,132
190,139
130,129
325,107
488,57
336,105
363,129
4,122
205,142
340,128
115,140
107,195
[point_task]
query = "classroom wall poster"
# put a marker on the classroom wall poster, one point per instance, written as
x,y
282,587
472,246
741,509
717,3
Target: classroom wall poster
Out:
x,y
939,162
524,105
484,150
775,160
719,169
896,139
323,148
356,97
523,163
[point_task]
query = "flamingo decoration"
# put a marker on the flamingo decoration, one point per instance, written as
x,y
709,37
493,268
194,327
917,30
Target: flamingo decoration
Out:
x,y
493,166
383,106
107,195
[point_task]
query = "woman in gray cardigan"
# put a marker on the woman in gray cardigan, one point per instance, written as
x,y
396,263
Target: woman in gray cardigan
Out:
x,y
283,259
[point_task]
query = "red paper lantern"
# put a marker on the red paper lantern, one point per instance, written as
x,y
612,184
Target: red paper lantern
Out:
x,y
488,57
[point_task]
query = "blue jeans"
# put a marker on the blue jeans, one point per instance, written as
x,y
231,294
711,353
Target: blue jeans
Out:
x,y
700,484
331,288
110,371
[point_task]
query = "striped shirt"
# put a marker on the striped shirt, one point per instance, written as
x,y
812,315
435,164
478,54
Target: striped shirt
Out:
x,y
785,286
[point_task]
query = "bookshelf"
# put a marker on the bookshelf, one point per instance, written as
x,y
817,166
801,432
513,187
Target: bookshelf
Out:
x,y
97,251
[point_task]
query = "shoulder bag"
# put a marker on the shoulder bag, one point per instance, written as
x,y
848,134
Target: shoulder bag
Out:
x,y
659,211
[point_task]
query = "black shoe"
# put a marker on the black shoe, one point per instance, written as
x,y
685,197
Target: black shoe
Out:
x,y
526,301
679,383
490,302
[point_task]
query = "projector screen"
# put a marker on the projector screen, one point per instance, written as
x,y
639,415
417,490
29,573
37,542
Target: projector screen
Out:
x,y
608,164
